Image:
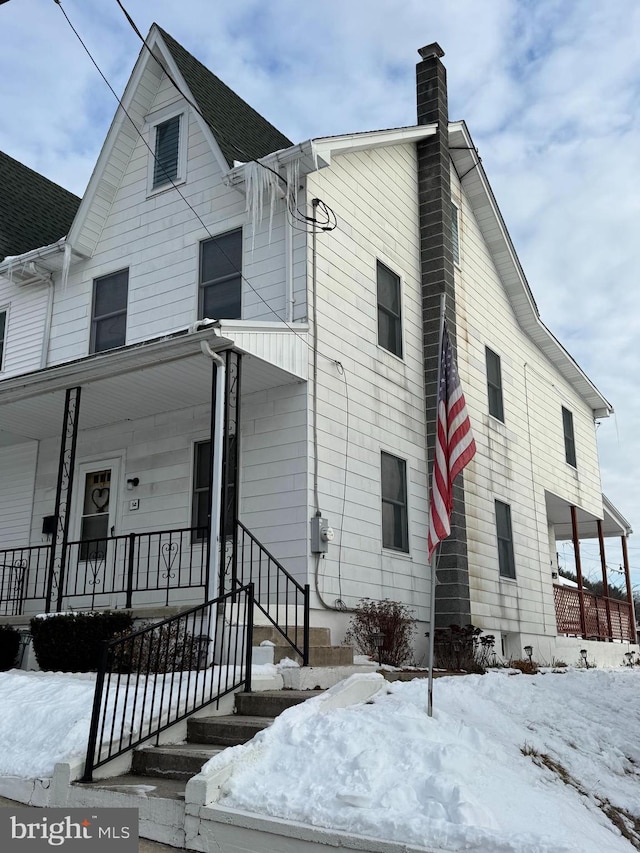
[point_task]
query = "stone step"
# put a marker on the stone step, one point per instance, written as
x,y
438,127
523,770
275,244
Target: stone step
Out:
x,y
317,636
225,731
143,787
318,655
270,703
173,761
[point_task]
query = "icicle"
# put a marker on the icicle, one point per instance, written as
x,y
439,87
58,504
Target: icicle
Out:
x,y
293,181
66,263
258,182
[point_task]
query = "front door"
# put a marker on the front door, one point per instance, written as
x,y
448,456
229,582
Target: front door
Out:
x,y
93,557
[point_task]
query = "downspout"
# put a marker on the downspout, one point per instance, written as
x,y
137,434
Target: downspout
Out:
x,y
288,270
44,354
216,471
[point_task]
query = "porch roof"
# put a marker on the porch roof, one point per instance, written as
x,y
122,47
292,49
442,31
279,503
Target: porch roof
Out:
x,y
559,514
148,378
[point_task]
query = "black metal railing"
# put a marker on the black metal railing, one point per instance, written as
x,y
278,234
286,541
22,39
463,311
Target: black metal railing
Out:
x,y
160,675
137,568
280,597
23,575
160,567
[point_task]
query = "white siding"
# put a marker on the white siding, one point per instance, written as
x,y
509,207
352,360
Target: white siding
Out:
x,y
17,473
157,238
520,458
26,307
377,403
273,487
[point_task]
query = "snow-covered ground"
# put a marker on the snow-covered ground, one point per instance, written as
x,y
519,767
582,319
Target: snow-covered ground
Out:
x,y
526,764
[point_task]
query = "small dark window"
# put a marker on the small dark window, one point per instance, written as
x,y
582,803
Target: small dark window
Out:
x,y
494,384
506,560
201,484
389,319
569,439
455,234
165,167
3,330
109,316
395,531
221,277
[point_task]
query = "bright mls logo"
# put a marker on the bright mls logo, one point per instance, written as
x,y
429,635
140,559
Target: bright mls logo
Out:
x,y
108,830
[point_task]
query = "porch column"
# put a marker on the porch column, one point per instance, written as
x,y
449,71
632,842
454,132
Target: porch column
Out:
x,y
605,585
66,467
576,550
627,576
229,498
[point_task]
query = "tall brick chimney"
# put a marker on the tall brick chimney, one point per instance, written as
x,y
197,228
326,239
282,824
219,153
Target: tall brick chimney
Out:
x,y
436,255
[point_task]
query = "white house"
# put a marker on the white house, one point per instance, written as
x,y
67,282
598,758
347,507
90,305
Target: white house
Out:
x,y
221,287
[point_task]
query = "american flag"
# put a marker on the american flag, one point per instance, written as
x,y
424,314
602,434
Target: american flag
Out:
x,y
455,446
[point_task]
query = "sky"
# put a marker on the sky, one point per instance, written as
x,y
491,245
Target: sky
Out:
x,y
508,762
550,90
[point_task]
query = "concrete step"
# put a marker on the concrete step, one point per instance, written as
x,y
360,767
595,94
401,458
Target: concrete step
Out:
x,y
317,636
270,703
225,731
173,761
139,786
318,655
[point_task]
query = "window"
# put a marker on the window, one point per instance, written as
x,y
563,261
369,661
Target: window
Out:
x,y
167,152
395,532
94,522
389,321
506,561
3,333
109,315
455,234
221,277
494,384
201,483
569,440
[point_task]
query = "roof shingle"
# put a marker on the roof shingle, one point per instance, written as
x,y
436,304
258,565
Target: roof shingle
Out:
x,y
241,132
34,211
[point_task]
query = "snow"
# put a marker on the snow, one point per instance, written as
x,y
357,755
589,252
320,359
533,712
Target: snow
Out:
x,y
509,763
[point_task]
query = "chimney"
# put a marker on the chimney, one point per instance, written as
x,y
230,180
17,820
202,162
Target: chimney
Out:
x,y
437,273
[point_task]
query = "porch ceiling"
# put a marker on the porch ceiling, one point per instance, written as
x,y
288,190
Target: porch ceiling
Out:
x,y
135,388
559,514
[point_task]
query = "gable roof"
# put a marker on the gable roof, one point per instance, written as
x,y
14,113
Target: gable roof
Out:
x,y
241,132
33,210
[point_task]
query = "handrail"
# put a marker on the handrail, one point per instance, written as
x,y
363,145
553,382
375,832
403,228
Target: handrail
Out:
x,y
159,675
282,599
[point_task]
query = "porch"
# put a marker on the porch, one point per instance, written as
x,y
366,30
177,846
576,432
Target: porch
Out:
x,y
579,611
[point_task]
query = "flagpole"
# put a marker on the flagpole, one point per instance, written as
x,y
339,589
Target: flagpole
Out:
x,y
434,558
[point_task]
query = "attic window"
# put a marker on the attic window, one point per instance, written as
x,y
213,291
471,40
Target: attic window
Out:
x,y
167,141
167,147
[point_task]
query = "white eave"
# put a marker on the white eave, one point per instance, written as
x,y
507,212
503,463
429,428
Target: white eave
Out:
x,y
477,189
36,265
314,154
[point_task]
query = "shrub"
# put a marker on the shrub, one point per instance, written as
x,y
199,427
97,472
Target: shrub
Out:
x,y
457,648
9,646
527,667
73,642
166,648
390,618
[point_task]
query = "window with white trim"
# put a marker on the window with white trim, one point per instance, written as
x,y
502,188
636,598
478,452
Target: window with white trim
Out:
x,y
569,437
3,334
506,560
166,165
389,313
221,277
395,527
109,312
494,384
201,486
